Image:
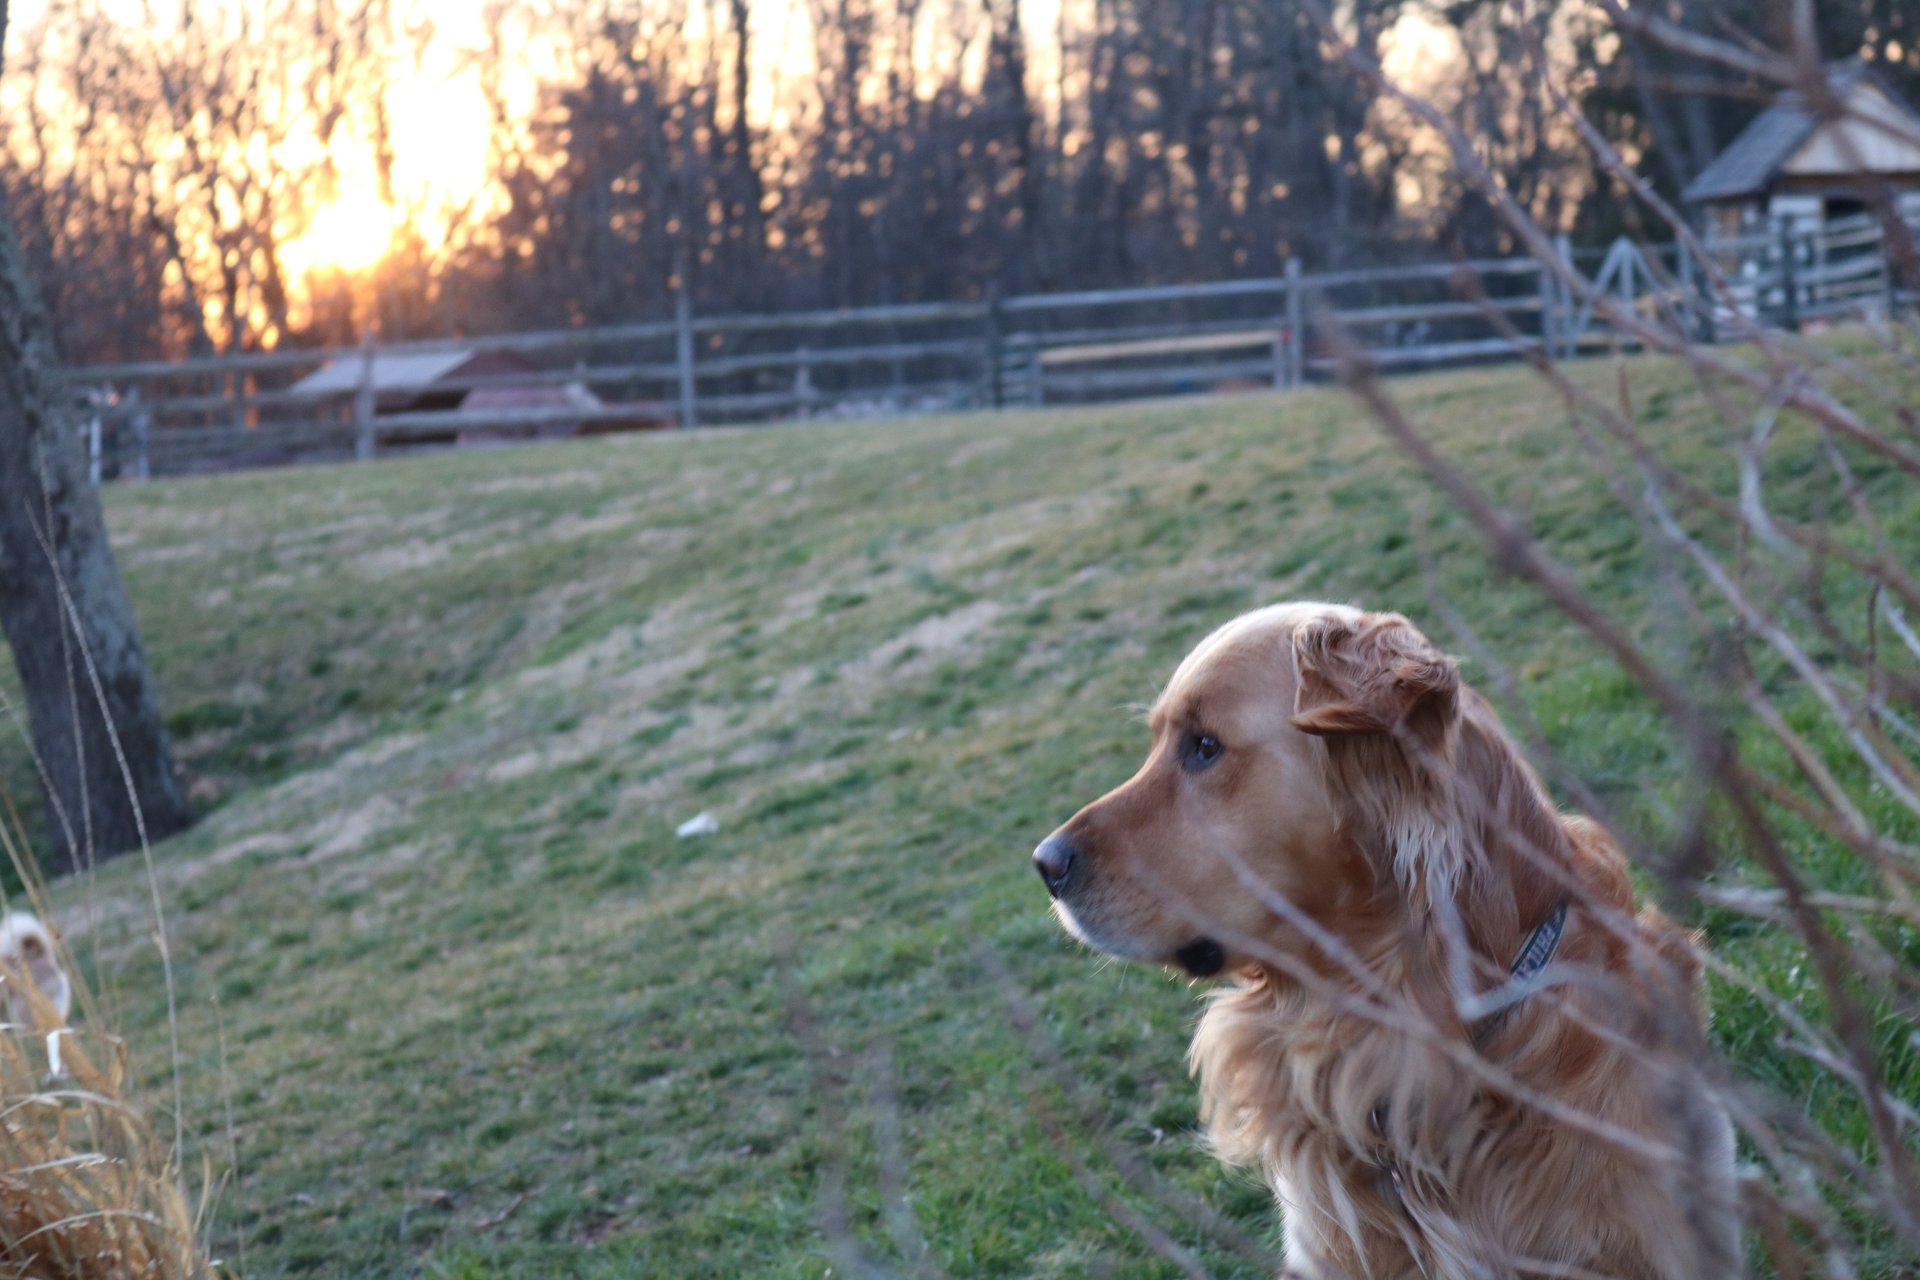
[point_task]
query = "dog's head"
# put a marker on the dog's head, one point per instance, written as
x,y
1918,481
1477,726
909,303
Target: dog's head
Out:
x,y
27,957
1239,825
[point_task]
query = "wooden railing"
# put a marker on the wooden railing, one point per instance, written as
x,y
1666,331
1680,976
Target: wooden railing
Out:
x,y
157,417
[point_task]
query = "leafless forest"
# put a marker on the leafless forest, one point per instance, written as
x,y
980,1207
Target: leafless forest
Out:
x,y
924,150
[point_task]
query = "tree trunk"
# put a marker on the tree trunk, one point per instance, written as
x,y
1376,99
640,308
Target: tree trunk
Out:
x,y
65,615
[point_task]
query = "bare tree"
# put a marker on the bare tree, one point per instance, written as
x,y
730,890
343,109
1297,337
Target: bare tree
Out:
x,y
106,770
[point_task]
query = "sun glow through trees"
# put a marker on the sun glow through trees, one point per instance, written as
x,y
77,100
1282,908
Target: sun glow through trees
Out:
x,y
348,235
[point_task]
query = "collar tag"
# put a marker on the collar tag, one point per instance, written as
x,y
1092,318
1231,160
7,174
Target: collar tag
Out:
x,y
1541,944
1534,956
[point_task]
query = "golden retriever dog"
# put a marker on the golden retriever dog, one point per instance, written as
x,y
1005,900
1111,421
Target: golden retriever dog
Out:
x,y
1446,1037
27,958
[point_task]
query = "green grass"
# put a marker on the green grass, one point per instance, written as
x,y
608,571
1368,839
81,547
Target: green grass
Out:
x,y
472,1010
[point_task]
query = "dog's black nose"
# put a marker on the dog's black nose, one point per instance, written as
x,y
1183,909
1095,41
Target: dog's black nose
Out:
x,y
1054,861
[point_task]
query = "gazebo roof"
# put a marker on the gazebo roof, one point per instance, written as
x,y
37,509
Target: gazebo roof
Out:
x,y
1755,158
390,372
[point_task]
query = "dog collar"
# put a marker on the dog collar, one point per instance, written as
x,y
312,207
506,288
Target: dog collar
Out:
x,y
1534,955
1541,944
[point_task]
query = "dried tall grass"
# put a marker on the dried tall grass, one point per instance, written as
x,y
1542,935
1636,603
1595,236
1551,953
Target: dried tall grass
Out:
x,y
87,1189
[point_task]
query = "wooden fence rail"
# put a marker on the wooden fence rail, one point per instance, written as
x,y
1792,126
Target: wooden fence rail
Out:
x,y
151,417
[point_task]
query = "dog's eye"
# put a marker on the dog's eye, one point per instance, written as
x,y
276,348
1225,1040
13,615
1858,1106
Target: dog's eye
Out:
x,y
1202,750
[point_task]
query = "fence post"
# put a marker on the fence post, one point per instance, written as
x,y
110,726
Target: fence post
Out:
x,y
1683,271
363,403
1788,285
996,347
1889,278
142,422
1548,307
683,354
1631,263
1819,286
1709,300
1296,326
1569,340
1036,373
803,390
93,448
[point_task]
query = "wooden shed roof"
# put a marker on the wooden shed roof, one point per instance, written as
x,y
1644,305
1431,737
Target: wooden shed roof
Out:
x,y
390,372
1766,147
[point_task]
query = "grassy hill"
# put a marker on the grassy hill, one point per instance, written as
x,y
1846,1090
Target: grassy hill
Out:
x,y
453,996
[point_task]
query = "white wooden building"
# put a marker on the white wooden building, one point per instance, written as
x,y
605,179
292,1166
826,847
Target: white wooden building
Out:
x,y
1792,166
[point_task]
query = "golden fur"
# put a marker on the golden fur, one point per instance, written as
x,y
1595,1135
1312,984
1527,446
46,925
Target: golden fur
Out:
x,y
1363,852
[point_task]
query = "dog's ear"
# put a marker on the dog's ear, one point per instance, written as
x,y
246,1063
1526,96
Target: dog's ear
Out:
x,y
1374,675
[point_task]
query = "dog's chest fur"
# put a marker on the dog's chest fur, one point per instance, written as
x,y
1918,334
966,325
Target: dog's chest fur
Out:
x,y
1391,1159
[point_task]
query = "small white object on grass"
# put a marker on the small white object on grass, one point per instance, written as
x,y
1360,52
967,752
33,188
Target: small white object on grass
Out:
x,y
700,824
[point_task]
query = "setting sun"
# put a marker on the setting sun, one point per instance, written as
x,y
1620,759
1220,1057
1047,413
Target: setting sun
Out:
x,y
351,234
436,171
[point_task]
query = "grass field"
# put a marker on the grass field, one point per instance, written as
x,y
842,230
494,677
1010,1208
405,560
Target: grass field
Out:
x,y
455,1000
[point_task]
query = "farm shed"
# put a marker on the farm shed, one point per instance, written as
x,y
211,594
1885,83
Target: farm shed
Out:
x,y
1792,167
470,396
413,382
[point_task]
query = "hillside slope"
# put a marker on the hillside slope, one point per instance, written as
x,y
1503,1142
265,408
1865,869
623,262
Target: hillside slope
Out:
x,y
472,1007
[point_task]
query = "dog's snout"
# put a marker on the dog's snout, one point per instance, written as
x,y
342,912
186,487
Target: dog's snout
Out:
x,y
1054,861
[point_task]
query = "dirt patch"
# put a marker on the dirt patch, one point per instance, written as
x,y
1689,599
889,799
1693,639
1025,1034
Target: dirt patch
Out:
x,y
135,556
364,873
407,556
593,738
987,538
328,779
923,646
986,446
535,483
354,832
567,528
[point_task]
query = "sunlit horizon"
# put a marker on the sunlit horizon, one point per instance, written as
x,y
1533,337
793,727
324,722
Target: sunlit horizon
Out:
x,y
438,116
409,153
